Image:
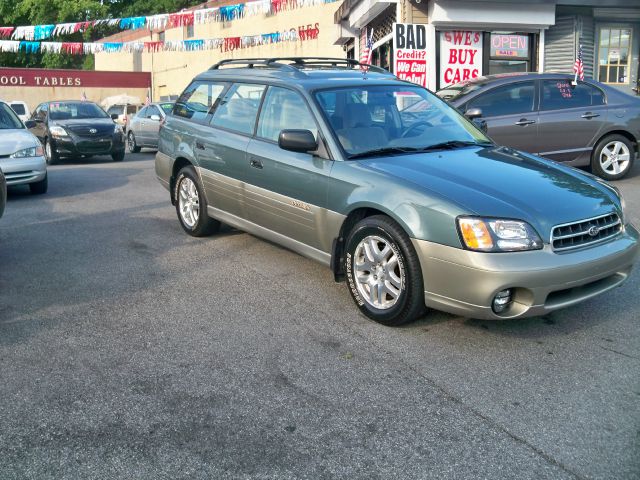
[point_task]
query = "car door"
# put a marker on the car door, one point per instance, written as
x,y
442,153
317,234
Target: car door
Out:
x,y
151,125
135,125
509,111
287,191
571,119
39,116
221,146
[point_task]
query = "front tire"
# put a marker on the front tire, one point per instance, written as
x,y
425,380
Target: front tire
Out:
x,y
50,154
191,205
383,272
118,157
38,188
131,143
613,157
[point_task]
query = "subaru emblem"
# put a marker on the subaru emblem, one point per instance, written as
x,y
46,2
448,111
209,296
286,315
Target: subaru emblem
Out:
x,y
593,231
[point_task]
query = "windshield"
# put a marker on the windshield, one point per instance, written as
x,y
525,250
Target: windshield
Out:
x,y
8,118
167,107
394,119
75,111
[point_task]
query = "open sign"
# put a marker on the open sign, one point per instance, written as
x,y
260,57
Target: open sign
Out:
x,y
509,46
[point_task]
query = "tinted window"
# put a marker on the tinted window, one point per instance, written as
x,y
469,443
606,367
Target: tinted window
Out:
x,y
142,113
284,109
167,107
196,101
18,108
72,111
152,110
131,109
115,109
559,94
505,100
239,107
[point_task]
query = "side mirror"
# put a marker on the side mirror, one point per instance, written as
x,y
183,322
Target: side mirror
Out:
x,y
297,141
155,118
114,116
30,123
473,113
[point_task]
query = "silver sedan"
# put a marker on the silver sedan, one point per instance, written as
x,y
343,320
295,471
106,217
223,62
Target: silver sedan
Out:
x,y
21,154
144,127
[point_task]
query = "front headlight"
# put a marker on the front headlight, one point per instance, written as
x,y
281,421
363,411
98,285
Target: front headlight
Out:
x,y
36,151
117,128
497,235
58,131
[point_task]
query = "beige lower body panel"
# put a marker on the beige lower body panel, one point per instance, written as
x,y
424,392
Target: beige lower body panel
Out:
x,y
464,282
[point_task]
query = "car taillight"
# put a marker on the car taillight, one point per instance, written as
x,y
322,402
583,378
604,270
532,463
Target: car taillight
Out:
x,y
124,119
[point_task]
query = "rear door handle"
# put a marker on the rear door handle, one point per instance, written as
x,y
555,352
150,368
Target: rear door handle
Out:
x,y
523,121
255,163
589,115
200,146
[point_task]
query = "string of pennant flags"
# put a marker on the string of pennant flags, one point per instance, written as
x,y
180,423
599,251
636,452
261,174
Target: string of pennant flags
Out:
x,y
225,44
38,33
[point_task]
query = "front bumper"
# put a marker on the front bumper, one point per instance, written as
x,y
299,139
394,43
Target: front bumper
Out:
x,y
465,282
75,146
20,171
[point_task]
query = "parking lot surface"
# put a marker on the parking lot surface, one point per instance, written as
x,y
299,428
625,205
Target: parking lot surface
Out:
x,y
131,350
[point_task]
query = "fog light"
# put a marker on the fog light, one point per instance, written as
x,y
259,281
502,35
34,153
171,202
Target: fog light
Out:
x,y
501,301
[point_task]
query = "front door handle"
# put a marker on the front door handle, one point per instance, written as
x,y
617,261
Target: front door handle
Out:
x,y
200,146
523,122
255,163
590,115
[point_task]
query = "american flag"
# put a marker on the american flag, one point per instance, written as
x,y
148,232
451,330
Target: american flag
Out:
x,y
367,51
147,100
83,97
578,67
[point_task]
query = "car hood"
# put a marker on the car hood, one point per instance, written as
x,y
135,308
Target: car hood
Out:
x,y
501,182
16,139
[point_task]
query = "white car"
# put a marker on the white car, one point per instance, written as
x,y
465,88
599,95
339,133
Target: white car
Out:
x,y
21,109
21,154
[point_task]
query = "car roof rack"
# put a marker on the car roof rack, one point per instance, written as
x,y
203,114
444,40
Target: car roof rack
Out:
x,y
295,64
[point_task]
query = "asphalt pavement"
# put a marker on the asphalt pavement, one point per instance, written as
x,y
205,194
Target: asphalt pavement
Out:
x,y
131,350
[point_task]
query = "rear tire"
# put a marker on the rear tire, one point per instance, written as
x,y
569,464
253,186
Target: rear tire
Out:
x,y
612,158
131,143
191,205
383,272
38,188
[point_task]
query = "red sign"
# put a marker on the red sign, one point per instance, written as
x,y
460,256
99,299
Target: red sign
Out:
x,y
410,59
460,56
36,77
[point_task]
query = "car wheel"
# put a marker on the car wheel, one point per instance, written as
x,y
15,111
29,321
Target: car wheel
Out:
x,y
131,143
191,205
118,157
50,154
613,157
38,188
383,272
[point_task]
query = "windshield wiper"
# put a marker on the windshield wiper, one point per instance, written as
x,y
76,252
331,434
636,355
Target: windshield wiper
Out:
x,y
383,151
453,144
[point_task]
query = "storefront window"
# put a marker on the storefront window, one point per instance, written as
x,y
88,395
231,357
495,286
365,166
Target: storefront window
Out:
x,y
613,55
509,52
381,56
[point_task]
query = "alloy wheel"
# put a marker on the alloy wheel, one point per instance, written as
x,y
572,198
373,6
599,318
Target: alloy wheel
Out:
x,y
615,158
379,275
189,202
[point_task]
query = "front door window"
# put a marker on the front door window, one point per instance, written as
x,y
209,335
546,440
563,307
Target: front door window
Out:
x,y
613,55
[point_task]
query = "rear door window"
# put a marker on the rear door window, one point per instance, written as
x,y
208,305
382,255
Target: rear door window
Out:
x,y
239,107
197,100
131,109
505,100
560,94
284,109
18,108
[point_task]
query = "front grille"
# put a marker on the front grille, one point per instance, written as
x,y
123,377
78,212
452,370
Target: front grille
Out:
x,y
85,130
94,147
585,232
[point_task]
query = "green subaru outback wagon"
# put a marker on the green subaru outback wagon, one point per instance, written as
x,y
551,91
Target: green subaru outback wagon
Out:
x,y
395,191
